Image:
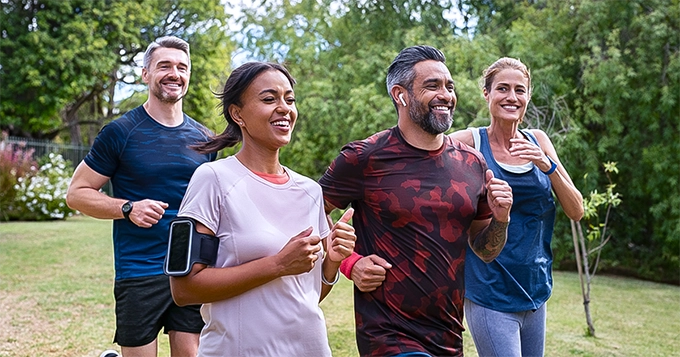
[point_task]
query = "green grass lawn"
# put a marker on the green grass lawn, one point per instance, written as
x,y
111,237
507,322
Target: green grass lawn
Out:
x,y
56,299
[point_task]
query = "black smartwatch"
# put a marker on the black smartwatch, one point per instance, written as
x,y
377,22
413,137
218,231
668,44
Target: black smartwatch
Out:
x,y
127,208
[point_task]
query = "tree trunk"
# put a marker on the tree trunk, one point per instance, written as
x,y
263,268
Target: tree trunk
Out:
x,y
74,129
583,271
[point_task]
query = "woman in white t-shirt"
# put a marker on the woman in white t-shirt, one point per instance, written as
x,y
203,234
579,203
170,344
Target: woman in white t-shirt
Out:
x,y
273,266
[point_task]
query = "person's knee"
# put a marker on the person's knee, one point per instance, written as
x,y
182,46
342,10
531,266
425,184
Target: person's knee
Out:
x,y
495,333
148,350
183,343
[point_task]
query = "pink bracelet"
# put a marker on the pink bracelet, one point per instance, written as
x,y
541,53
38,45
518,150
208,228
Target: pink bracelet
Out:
x,y
348,263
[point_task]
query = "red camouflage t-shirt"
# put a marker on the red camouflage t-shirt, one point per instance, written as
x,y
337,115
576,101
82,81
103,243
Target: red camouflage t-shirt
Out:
x,y
414,209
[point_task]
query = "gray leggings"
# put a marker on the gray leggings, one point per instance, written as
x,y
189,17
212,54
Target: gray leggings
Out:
x,y
506,334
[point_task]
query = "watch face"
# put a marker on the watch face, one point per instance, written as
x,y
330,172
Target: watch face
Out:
x,y
127,207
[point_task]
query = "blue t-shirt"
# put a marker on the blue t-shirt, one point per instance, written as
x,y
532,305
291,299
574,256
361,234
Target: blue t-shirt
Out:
x,y
146,160
520,278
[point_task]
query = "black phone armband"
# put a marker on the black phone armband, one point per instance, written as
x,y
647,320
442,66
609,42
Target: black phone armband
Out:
x,y
187,246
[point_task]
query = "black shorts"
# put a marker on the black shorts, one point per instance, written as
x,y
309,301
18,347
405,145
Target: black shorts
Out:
x,y
144,305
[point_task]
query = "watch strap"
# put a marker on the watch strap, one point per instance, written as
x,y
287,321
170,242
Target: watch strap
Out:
x,y
127,208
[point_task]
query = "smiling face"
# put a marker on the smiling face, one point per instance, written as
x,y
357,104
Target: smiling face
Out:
x,y
432,99
267,114
167,75
508,96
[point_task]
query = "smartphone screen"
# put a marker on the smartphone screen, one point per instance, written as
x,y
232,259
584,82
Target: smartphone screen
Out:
x,y
178,254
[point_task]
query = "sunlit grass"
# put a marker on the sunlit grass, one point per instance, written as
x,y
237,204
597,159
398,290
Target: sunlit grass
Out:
x,y
56,299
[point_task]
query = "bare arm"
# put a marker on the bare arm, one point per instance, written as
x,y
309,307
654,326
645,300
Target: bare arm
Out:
x,y
329,271
368,272
206,284
328,207
488,237
464,136
567,194
338,245
83,195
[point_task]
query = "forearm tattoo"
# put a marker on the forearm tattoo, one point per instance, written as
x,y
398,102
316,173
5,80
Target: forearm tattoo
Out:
x,y
490,241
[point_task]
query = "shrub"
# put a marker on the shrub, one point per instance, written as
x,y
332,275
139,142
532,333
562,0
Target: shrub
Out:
x,y
42,196
15,162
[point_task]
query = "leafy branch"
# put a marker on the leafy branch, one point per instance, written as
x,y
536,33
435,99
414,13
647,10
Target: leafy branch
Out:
x,y
596,236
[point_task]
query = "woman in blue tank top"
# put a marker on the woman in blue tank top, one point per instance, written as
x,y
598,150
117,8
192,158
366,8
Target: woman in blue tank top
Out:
x,y
505,299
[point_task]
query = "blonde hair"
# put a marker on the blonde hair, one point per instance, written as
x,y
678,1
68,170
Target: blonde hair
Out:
x,y
504,63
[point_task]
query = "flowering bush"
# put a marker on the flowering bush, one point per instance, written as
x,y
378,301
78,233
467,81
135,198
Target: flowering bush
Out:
x,y
42,196
31,191
15,162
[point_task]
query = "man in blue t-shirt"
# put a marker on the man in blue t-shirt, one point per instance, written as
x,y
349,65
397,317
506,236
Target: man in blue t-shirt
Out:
x,y
147,157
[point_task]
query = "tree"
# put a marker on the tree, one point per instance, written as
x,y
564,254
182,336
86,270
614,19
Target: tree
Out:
x,y
592,243
629,54
605,74
339,52
61,60
612,68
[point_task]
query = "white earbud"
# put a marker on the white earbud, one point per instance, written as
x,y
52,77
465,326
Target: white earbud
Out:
x,y
401,98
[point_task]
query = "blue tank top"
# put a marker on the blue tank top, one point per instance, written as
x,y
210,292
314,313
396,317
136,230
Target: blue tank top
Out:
x,y
520,278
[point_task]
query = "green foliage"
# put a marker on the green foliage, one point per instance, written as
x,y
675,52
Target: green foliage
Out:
x,y
61,60
339,53
467,58
15,163
594,203
40,194
210,62
605,75
50,52
605,78
588,248
628,51
32,191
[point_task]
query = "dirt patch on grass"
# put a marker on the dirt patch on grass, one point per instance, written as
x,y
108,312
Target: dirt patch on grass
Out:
x,y
20,324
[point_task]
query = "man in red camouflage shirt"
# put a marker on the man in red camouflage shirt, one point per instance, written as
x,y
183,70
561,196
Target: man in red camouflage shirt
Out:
x,y
419,198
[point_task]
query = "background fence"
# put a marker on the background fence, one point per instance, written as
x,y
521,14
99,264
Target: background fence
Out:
x,y
73,153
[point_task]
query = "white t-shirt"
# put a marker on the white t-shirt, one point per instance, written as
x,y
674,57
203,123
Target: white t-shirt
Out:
x,y
254,218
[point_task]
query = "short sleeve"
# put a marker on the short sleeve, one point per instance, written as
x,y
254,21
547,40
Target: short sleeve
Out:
x,y
483,209
342,182
105,153
324,226
202,198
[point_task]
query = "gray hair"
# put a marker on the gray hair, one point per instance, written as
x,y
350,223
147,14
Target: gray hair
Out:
x,y
401,70
166,42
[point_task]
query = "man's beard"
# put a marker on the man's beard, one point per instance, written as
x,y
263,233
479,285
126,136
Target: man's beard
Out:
x,y
164,97
427,120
